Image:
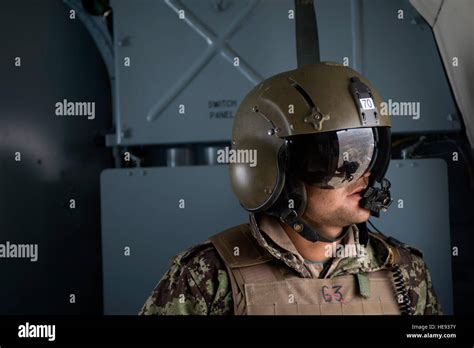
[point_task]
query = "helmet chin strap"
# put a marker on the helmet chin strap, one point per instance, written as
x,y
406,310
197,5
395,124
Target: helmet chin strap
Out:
x,y
290,207
310,233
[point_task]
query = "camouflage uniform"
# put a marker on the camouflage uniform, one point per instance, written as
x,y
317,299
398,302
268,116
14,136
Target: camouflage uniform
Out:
x,y
197,282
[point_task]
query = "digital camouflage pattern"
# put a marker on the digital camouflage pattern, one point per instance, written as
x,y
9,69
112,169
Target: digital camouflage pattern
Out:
x,y
197,282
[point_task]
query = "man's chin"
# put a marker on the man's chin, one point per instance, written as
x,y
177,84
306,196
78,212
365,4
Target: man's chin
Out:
x,y
352,219
362,215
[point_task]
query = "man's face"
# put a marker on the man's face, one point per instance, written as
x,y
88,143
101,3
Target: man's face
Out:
x,y
337,207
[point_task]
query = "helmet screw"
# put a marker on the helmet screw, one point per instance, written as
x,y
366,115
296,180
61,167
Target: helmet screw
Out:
x,y
271,132
298,227
267,190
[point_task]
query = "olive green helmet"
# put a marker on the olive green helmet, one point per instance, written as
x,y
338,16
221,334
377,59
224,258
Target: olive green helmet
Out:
x,y
323,98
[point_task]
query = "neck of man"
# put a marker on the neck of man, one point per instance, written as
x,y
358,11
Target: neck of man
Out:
x,y
313,251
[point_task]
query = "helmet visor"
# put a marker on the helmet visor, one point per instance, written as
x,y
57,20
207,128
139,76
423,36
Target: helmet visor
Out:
x,y
331,159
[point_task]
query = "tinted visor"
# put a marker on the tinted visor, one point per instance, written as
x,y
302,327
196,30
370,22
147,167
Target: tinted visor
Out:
x,y
331,159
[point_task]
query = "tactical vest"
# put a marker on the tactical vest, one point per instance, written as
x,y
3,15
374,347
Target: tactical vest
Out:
x,y
264,285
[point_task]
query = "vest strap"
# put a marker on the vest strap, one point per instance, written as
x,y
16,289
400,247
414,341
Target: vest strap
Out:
x,y
245,260
238,248
364,285
394,253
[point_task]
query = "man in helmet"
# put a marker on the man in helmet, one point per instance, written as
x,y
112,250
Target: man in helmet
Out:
x,y
323,150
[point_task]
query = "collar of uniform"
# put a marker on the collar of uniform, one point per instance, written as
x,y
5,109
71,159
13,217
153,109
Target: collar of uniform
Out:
x,y
281,247
376,256
290,258
272,228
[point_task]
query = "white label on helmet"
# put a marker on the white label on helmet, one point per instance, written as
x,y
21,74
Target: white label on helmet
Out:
x,y
367,103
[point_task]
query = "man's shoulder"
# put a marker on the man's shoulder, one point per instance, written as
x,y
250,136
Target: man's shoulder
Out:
x,y
207,254
402,250
408,257
196,283
413,269
202,256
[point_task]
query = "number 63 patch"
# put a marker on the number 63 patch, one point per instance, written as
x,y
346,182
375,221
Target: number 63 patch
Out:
x,y
332,294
